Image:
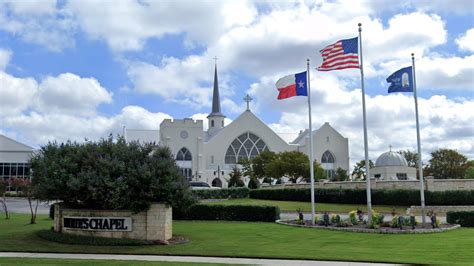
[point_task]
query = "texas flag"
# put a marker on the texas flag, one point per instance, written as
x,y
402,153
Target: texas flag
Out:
x,y
292,85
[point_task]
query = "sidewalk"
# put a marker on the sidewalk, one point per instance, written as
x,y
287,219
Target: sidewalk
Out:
x,y
194,259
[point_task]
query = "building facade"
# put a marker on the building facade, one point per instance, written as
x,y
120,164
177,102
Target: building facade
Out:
x,y
14,158
210,155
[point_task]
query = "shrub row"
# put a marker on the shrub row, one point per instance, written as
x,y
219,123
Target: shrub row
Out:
x,y
464,218
358,196
229,213
234,193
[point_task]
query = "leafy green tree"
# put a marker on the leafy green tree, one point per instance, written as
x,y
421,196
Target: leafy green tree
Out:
x,y
293,164
236,178
341,175
109,174
359,169
253,183
447,163
260,163
469,173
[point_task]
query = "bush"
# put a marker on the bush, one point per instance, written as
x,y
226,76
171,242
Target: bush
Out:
x,y
89,240
464,218
109,174
253,183
358,196
229,213
225,193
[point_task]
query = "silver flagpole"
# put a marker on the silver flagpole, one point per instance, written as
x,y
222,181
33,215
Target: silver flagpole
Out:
x,y
311,161
367,171
420,163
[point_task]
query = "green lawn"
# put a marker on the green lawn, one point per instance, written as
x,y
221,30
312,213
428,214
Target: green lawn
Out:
x,y
39,262
266,240
291,206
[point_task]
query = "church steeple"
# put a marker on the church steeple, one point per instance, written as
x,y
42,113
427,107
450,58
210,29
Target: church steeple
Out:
x,y
215,118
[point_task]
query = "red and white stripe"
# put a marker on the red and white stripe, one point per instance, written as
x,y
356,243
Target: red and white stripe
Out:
x,y
334,58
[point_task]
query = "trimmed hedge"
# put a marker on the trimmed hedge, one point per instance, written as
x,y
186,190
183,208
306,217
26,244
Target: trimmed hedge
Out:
x,y
358,196
230,213
464,218
225,193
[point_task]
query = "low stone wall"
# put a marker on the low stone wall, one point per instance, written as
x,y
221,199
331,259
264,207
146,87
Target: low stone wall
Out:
x,y
154,224
429,184
438,210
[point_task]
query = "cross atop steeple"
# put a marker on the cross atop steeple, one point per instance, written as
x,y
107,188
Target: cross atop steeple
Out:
x,y
215,60
247,99
390,147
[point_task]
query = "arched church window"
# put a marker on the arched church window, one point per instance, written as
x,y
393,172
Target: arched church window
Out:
x,y
245,146
184,155
212,123
184,162
327,157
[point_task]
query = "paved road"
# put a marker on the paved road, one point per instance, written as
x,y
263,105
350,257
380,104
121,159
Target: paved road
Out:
x,y
20,205
243,261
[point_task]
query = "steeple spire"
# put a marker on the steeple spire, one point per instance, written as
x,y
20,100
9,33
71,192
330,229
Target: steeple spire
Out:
x,y
216,103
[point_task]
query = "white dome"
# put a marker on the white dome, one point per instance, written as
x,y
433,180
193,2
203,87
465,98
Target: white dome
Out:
x,y
391,158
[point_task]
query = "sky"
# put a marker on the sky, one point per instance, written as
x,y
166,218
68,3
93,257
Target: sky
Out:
x,y
75,70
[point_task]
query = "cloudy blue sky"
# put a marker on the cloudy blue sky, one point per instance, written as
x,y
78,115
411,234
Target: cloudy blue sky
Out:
x,y
83,69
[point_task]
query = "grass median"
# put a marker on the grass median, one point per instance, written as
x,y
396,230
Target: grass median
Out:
x,y
264,240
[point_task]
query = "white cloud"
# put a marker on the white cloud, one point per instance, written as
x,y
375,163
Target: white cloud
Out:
x,y
126,25
5,56
72,94
17,94
38,22
40,128
466,42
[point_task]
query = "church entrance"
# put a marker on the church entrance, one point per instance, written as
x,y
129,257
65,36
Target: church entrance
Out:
x,y
216,182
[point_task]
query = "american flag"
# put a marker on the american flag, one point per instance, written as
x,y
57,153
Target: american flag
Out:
x,y
340,55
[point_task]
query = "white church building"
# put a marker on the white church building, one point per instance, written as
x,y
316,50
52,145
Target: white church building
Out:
x,y
210,155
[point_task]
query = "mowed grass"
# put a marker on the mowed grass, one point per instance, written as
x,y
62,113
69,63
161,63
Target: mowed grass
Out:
x,y
80,262
265,240
292,206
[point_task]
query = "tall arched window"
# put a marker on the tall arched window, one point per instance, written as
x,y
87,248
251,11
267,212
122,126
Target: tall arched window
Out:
x,y
327,162
327,157
246,146
184,155
184,161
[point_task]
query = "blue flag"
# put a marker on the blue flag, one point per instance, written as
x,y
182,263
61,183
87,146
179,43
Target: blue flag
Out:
x,y
401,81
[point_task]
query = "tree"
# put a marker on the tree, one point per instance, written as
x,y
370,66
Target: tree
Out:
x,y
3,200
236,178
341,175
469,173
27,190
359,169
412,159
253,183
293,164
447,163
260,163
109,174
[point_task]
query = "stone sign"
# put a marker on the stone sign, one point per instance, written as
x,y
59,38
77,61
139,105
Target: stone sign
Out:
x,y
98,223
154,224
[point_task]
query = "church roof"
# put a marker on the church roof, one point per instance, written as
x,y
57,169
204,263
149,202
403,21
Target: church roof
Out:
x,y
391,158
216,102
8,144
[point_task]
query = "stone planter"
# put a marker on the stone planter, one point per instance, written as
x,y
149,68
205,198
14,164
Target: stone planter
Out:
x,y
152,225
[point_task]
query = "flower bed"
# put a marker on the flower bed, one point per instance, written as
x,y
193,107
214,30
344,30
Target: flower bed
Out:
x,y
362,228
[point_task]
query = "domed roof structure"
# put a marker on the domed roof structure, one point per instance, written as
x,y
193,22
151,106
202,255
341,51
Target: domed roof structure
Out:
x,y
391,158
